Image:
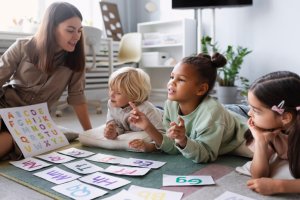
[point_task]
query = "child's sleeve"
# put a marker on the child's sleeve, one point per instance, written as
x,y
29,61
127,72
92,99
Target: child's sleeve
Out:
x,y
167,145
9,61
111,119
205,147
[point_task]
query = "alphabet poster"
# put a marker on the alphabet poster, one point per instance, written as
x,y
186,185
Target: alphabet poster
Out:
x,y
33,129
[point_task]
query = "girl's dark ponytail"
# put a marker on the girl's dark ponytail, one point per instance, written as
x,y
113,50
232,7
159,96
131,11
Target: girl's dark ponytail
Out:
x,y
293,150
218,60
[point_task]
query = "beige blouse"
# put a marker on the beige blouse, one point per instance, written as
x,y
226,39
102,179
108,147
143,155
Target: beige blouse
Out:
x,y
21,83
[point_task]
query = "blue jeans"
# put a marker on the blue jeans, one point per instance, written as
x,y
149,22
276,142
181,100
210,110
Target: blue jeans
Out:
x,y
240,109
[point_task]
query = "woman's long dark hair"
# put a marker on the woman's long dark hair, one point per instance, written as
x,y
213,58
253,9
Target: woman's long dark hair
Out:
x,y
41,48
271,90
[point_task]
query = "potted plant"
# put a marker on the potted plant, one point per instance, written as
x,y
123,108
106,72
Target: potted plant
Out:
x,y
229,74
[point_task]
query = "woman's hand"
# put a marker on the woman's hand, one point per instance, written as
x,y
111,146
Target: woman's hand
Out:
x,y
177,132
110,131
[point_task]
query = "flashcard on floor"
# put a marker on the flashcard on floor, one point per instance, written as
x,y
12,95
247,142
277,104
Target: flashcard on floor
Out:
x,y
83,167
78,153
30,164
142,163
56,175
171,180
124,195
104,180
127,171
55,157
150,193
104,158
79,191
231,195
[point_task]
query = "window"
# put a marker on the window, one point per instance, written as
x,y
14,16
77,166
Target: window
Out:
x,y
13,14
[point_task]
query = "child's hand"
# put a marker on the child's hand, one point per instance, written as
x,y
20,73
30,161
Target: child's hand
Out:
x,y
110,131
262,135
141,145
177,132
138,118
264,186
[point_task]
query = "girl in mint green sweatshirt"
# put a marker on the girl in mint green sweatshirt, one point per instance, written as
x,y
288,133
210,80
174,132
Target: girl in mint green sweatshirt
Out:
x,y
197,125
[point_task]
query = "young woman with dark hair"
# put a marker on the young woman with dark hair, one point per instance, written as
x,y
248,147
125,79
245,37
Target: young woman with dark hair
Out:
x,y
39,69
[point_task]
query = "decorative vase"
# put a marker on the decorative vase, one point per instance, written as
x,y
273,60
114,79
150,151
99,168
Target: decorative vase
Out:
x,y
227,94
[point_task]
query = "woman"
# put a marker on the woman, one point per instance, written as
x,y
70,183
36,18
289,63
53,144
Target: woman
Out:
x,y
39,69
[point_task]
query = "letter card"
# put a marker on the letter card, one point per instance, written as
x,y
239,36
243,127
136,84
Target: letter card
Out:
x,y
150,193
78,153
104,180
30,164
124,195
142,163
127,171
172,180
56,175
79,191
83,167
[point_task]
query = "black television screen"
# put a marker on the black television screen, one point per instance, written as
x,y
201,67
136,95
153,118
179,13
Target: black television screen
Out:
x,y
209,3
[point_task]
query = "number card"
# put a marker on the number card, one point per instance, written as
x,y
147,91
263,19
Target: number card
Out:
x,y
104,158
232,196
170,180
79,191
142,163
149,193
83,167
55,157
104,180
56,175
127,171
33,129
78,153
30,164
124,195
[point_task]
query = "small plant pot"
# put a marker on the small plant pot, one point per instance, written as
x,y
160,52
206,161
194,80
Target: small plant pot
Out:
x,y
227,95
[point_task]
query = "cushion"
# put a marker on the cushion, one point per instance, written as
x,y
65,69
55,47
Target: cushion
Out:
x,y
95,138
69,133
279,169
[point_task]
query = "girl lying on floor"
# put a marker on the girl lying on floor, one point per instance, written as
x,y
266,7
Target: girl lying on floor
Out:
x,y
274,135
198,126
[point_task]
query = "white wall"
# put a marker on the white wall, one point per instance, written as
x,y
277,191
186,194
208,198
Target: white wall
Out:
x,y
269,28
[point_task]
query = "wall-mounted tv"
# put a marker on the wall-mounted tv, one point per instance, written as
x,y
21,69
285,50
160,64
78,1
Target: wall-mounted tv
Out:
x,y
188,4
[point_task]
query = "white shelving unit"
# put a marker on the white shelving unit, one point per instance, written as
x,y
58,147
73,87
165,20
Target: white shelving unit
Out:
x,y
177,38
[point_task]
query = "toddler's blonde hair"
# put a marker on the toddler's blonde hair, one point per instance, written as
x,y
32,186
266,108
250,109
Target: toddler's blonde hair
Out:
x,y
132,82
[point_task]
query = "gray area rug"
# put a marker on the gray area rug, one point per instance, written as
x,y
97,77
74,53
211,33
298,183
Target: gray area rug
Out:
x,y
236,183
